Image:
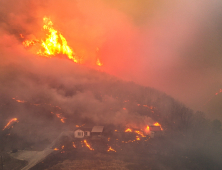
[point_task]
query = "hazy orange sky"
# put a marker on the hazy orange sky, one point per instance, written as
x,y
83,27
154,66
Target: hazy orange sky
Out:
x,y
173,46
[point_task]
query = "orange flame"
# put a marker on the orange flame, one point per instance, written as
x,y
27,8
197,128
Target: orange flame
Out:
x,y
88,145
56,149
98,63
137,138
128,130
8,124
19,101
157,124
61,118
140,133
80,125
73,144
55,43
111,149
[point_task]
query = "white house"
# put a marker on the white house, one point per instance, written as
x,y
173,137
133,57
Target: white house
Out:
x,y
79,133
86,132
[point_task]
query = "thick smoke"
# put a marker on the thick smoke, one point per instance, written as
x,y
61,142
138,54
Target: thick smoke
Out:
x,y
173,46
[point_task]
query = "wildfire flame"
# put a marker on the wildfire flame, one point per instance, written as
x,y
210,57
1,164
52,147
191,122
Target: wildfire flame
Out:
x,y
19,101
128,130
54,43
140,133
157,124
28,43
61,117
87,145
137,138
80,125
98,63
73,144
147,129
111,149
10,122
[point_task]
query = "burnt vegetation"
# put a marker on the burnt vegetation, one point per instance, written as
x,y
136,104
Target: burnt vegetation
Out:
x,y
84,96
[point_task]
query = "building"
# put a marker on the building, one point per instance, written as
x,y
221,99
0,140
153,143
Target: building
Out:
x,y
83,132
155,131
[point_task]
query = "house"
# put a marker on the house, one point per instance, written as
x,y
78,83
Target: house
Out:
x,y
97,131
84,132
155,130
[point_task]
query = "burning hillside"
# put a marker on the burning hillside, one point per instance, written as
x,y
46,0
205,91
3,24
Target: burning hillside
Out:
x,y
54,44
48,104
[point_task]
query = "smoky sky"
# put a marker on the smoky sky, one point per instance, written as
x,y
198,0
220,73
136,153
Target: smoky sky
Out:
x,y
173,46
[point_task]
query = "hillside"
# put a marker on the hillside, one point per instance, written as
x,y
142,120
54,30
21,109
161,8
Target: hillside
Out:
x,y
51,96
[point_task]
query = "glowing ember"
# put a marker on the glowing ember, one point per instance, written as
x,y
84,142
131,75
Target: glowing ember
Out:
x,y
150,107
98,63
129,141
19,101
63,147
10,122
80,125
157,124
218,92
73,144
147,128
21,36
61,118
88,145
111,149
140,133
56,149
128,130
137,138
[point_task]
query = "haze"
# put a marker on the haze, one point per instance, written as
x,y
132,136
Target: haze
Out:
x,y
173,46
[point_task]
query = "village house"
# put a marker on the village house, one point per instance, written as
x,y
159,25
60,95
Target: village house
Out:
x,y
155,131
84,132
